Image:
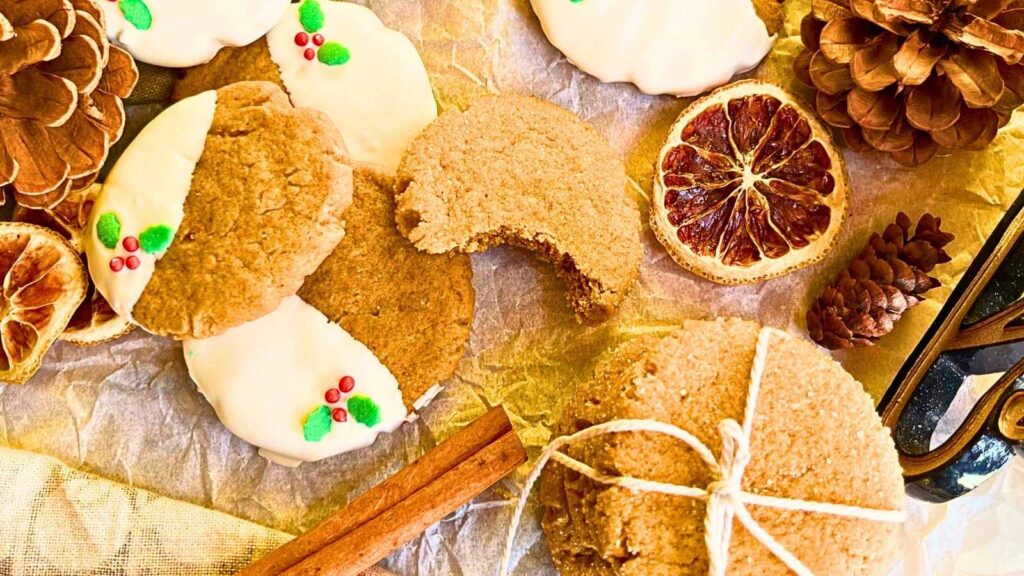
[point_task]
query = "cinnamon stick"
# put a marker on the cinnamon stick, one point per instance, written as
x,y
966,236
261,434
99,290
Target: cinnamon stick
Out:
x,y
373,541
457,450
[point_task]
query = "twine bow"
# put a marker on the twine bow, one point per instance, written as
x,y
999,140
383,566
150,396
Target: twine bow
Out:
x,y
726,500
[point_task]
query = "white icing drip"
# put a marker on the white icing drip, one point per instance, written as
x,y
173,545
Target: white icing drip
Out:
x,y
263,378
190,32
380,99
680,47
148,186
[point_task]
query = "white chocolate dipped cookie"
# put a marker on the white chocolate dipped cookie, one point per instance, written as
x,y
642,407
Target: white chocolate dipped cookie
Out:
x,y
393,319
180,33
678,47
337,57
303,390
217,210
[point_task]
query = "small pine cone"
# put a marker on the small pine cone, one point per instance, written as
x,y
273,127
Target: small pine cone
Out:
x,y
61,86
913,78
888,278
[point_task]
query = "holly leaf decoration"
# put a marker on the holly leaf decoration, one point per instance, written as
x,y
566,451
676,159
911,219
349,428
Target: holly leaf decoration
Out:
x,y
136,13
108,230
311,16
317,424
333,54
156,239
364,410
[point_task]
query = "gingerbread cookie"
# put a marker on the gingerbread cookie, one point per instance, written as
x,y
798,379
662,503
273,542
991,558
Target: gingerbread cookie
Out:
x,y
339,58
814,437
518,170
219,209
180,33
391,318
679,47
412,309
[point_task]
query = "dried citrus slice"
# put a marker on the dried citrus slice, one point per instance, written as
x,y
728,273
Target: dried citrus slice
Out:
x,y
749,186
44,281
94,322
68,218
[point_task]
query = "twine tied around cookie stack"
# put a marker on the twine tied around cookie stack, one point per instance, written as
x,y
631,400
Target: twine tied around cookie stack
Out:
x,y
725,497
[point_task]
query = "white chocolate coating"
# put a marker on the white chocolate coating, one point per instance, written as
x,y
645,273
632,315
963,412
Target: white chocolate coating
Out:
x,y
263,378
190,32
148,186
380,99
679,47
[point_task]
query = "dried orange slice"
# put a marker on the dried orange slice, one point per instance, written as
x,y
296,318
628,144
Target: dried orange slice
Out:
x,y
94,322
44,281
68,218
749,186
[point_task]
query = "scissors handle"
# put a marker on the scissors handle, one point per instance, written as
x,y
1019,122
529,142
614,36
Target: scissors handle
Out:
x,y
982,444
933,375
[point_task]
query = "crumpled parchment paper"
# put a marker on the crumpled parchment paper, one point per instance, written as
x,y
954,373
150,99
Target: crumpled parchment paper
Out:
x,y
128,412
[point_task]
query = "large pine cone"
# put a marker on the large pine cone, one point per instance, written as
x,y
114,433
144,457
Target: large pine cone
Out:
x,y
889,277
61,85
914,78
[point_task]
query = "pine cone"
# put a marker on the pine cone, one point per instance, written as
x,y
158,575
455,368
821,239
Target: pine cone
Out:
x,y
61,85
914,78
884,281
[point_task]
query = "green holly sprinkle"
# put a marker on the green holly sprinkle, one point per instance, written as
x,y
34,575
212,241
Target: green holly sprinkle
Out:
x,y
136,13
156,239
333,54
317,424
364,410
311,16
108,230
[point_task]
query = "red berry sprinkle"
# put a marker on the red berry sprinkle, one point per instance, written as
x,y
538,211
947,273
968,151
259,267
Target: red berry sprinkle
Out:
x,y
347,384
301,39
332,395
309,54
131,243
117,264
318,39
132,262
339,415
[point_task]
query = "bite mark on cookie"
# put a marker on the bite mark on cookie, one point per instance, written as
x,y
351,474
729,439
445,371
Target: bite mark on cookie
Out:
x,y
520,171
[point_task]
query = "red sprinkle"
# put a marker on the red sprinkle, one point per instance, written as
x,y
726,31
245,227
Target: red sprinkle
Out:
x,y
132,262
117,264
332,395
318,39
309,54
301,39
347,384
339,415
131,243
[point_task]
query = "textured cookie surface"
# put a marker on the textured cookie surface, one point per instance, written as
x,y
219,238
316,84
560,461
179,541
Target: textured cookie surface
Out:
x,y
815,437
412,309
378,93
231,65
517,170
190,240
